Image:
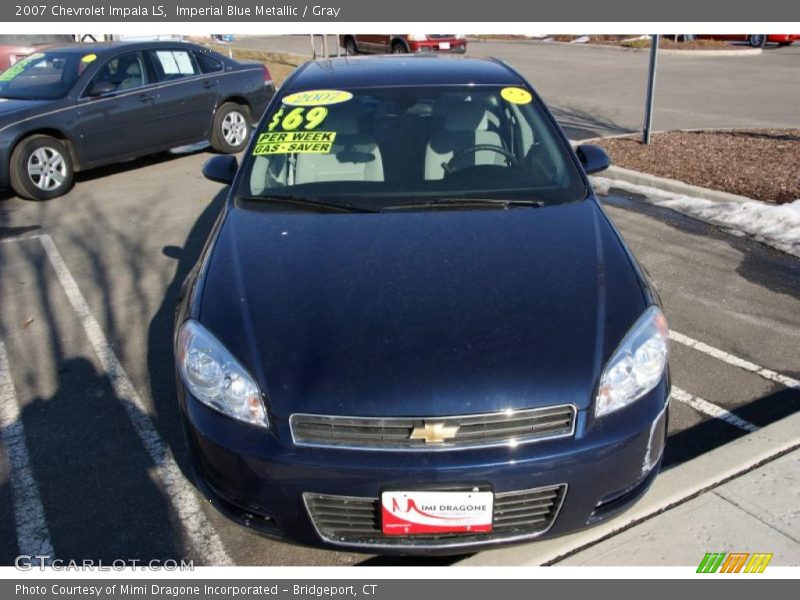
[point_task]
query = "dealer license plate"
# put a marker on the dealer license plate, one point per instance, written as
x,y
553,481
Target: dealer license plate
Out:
x,y
409,513
444,45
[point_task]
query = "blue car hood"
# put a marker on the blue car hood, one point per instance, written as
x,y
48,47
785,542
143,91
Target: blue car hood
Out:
x,y
421,313
12,110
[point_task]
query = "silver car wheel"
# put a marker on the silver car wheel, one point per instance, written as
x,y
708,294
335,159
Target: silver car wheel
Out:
x,y
47,169
234,128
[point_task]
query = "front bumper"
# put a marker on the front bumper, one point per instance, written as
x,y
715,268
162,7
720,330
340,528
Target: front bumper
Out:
x,y
434,46
258,478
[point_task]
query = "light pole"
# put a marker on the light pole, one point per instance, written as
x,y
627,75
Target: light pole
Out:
x,y
651,85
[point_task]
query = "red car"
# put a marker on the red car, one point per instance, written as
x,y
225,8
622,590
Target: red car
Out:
x,y
14,47
401,43
758,40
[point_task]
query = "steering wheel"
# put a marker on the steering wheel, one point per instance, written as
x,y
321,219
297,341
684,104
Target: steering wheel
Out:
x,y
449,168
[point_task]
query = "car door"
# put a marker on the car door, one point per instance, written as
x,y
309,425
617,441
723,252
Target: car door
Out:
x,y
122,120
187,97
373,43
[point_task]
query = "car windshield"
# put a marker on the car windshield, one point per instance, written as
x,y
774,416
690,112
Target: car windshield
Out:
x,y
386,146
42,76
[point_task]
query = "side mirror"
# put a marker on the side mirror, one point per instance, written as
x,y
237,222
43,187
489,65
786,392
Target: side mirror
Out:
x,y
593,158
101,88
221,168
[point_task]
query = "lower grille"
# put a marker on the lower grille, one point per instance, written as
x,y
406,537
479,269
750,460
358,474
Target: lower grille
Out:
x,y
356,521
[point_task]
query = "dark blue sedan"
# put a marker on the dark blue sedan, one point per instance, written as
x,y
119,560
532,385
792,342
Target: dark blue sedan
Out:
x,y
72,108
414,329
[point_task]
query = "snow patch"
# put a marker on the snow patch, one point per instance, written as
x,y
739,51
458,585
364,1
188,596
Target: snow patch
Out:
x,y
776,225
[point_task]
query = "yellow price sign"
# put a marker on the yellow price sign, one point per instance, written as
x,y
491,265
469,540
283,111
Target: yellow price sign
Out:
x,y
317,98
297,116
516,95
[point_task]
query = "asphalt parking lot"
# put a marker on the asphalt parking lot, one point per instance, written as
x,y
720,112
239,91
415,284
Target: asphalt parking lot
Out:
x,y
88,284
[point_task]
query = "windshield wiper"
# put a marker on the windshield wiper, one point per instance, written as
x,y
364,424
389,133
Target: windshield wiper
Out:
x,y
467,203
312,202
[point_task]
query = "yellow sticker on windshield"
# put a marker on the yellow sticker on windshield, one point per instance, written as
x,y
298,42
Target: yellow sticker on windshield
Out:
x,y
317,98
89,58
516,95
294,142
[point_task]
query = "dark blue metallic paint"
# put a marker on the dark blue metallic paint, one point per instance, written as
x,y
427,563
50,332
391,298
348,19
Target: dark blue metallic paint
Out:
x,y
409,304
66,118
418,313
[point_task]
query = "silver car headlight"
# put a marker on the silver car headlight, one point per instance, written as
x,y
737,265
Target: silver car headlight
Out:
x,y
637,365
215,377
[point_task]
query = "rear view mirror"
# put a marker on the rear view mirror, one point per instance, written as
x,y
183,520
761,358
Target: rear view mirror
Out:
x,y
101,88
221,168
593,158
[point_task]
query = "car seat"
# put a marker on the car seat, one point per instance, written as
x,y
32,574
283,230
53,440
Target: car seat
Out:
x,y
354,156
466,124
129,73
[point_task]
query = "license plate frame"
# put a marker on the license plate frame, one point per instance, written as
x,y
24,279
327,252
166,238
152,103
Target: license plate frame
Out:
x,y
427,512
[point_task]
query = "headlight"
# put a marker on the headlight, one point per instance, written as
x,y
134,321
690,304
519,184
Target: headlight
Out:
x,y
216,378
637,365
417,37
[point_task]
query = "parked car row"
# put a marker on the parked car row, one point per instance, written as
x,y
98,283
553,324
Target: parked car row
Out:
x,y
75,107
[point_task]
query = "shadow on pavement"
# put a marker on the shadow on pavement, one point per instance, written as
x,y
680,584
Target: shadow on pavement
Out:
x,y
89,464
580,125
768,268
160,355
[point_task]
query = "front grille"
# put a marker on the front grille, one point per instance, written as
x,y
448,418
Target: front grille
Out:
x,y
356,521
439,433
441,36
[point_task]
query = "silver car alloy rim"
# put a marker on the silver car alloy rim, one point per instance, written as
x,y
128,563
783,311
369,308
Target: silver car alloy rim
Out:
x,y
47,169
234,128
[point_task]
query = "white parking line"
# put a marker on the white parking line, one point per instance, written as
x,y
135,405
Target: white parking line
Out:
x,y
711,409
33,536
734,360
201,532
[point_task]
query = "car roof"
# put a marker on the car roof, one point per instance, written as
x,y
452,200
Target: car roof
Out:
x,y
101,48
401,70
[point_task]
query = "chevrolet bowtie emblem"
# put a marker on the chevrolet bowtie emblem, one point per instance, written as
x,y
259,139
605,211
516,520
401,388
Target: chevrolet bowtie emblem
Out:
x,y
434,433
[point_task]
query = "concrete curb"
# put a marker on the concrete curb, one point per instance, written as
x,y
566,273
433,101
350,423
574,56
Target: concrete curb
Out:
x,y
676,52
671,488
671,185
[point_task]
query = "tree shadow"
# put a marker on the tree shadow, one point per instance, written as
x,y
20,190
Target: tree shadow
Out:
x,y
766,267
122,167
579,124
88,464
760,264
160,353
98,482
713,433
